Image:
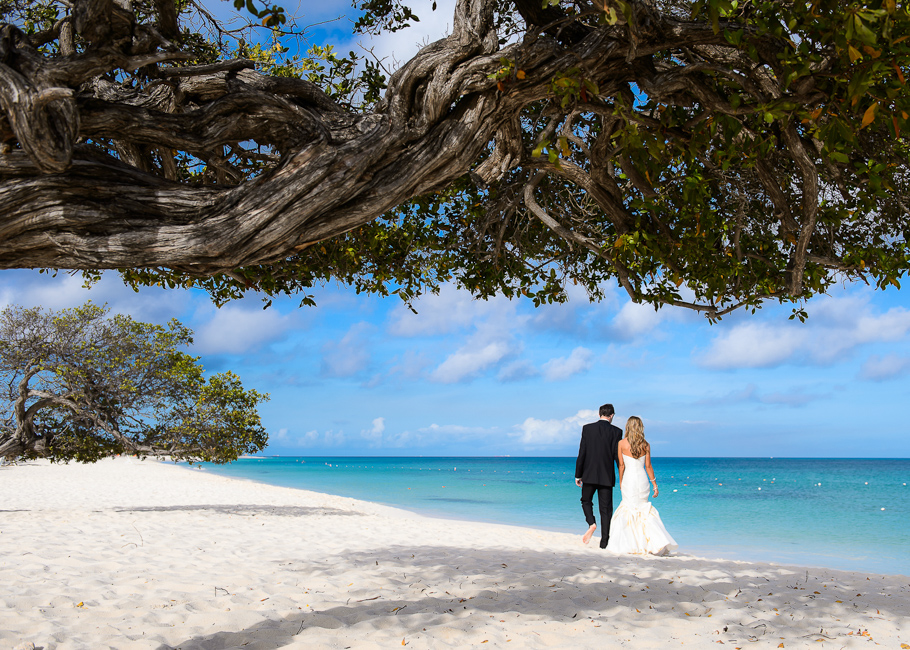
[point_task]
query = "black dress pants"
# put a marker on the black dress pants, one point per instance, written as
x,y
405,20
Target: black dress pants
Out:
x,y
605,505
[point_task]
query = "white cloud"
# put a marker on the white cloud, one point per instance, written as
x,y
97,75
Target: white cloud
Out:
x,y
492,328
744,395
33,290
564,367
878,368
149,304
578,316
349,356
449,435
754,345
313,438
517,370
410,365
333,438
449,310
794,396
469,361
536,432
635,320
330,438
848,322
495,324
788,398
835,327
375,434
234,329
893,325
399,47
456,429
403,439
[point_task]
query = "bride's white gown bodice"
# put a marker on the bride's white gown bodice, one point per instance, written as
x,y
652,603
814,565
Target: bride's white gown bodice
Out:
x,y
636,527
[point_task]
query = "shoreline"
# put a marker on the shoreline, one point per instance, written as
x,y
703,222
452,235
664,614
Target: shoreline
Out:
x,y
130,553
767,549
759,555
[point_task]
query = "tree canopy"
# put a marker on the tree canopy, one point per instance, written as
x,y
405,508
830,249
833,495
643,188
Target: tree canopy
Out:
x,y
82,386
710,154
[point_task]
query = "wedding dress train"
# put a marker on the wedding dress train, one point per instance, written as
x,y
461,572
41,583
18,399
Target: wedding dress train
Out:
x,y
636,527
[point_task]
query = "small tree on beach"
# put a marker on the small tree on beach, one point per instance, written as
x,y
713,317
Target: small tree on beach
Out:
x,y
79,385
708,154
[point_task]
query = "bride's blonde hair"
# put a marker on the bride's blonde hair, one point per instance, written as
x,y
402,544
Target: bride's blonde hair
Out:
x,y
635,434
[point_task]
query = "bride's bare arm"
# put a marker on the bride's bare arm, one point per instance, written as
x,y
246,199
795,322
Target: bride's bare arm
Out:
x,y
622,465
650,470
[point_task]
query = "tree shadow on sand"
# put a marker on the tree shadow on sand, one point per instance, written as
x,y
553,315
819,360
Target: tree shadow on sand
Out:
x,y
247,509
436,587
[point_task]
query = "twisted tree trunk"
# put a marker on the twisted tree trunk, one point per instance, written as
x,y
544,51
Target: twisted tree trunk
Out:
x,y
734,155
67,206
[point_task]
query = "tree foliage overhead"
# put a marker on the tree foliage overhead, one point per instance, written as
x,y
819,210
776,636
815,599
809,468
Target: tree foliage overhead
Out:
x,y
81,386
704,153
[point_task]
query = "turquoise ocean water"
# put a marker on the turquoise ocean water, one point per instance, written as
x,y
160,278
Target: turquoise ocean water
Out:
x,y
839,513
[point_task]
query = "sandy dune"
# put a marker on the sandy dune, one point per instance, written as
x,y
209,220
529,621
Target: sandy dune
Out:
x,y
130,554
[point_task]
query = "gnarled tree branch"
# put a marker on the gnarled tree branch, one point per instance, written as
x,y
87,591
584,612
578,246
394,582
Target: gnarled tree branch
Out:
x,y
116,157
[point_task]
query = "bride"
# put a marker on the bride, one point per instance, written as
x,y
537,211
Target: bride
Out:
x,y
636,527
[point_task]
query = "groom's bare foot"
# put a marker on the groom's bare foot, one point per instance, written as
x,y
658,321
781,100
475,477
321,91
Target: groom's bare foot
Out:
x,y
588,535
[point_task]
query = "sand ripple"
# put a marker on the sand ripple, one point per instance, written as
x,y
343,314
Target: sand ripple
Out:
x,y
129,554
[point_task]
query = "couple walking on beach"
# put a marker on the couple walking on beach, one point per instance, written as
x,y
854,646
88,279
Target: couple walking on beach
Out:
x,y
635,527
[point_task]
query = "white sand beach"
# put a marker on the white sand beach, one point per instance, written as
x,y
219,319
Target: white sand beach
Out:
x,y
146,554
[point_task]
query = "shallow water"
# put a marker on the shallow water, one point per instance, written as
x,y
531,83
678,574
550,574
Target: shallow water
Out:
x,y
838,513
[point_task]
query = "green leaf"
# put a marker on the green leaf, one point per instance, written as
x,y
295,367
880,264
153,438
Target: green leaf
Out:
x,y
862,30
714,14
540,147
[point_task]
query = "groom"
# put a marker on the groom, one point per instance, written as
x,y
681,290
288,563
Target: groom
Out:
x,y
594,471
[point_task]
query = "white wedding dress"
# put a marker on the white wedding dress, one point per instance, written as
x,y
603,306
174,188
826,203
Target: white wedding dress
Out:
x,y
636,527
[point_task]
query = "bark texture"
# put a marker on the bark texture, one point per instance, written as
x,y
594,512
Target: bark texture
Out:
x,y
94,172
65,205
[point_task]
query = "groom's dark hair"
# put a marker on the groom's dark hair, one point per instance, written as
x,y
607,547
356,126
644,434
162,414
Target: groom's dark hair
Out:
x,y
606,410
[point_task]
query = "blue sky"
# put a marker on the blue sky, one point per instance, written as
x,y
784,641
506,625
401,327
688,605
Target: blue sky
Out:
x,y
360,375
364,376
331,22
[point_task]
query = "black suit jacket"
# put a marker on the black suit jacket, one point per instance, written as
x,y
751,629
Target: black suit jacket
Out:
x,y
597,453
